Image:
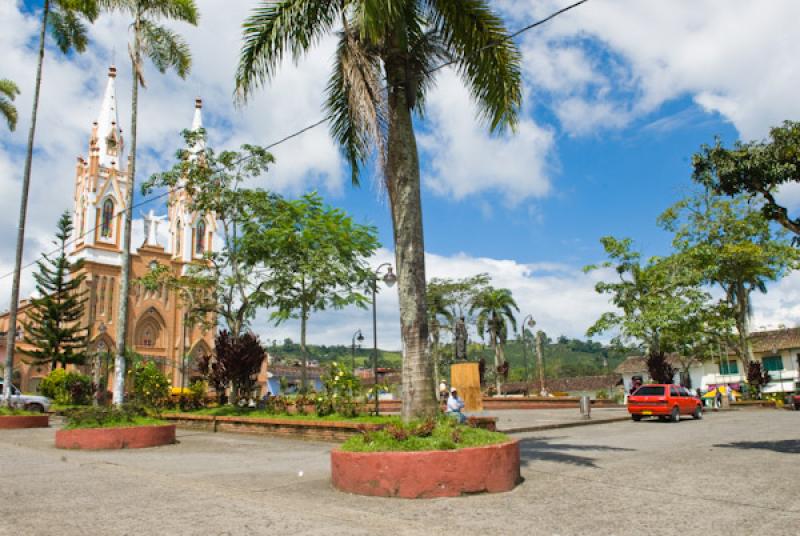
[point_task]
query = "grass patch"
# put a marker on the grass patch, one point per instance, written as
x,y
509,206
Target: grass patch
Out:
x,y
232,411
14,412
61,408
442,434
112,417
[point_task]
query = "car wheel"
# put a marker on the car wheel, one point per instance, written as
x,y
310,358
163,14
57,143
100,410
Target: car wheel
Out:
x,y
675,416
636,418
38,408
697,413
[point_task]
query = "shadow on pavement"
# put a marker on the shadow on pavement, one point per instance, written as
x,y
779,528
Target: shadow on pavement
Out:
x,y
785,446
541,449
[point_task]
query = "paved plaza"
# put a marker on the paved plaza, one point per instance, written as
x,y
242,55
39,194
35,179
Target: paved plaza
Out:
x,y
731,473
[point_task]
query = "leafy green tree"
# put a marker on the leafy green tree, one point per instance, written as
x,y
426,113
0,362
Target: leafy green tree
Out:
x,y
729,243
53,327
236,288
66,22
657,301
315,256
495,312
8,92
166,50
756,169
398,43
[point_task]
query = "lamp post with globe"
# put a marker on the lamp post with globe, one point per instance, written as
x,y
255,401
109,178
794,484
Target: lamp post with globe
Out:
x,y
357,336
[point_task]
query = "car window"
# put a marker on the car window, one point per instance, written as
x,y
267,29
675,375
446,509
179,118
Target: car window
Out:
x,y
650,390
674,391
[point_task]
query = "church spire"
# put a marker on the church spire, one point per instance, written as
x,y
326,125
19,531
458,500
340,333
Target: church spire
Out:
x,y
109,133
197,124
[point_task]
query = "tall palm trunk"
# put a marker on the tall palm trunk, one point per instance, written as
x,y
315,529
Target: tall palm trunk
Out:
x,y
124,280
402,175
743,326
11,332
498,360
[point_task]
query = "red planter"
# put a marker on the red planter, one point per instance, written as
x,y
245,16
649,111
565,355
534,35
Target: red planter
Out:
x,y
134,437
24,421
427,474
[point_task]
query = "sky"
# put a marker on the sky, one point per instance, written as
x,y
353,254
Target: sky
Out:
x,y
618,95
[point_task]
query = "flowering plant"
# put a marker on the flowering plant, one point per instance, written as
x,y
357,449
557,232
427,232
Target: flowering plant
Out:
x,y
341,388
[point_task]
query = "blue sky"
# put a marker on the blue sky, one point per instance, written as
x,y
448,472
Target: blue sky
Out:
x,y
618,95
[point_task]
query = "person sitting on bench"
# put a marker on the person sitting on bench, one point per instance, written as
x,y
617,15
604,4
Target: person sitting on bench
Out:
x,y
455,405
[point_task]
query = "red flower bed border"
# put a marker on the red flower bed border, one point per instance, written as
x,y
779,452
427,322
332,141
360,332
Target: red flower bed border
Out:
x,y
134,437
8,422
427,474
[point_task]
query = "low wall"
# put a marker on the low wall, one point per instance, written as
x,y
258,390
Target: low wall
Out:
x,y
427,474
295,428
8,422
541,402
134,437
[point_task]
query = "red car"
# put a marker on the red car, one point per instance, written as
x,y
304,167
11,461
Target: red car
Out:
x,y
664,401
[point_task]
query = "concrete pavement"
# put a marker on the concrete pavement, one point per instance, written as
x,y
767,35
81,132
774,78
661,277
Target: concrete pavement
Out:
x,y
731,473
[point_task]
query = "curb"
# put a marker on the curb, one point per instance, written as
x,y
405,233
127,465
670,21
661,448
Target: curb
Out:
x,y
557,426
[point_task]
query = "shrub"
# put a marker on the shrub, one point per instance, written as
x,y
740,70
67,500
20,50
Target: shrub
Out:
x,y
341,390
99,417
442,434
150,386
602,394
67,388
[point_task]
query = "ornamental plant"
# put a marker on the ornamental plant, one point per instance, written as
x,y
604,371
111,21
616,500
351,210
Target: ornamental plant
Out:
x,y
150,386
67,388
341,388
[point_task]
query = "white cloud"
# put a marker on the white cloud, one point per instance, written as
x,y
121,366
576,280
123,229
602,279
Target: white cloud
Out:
x,y
778,307
733,57
464,159
560,298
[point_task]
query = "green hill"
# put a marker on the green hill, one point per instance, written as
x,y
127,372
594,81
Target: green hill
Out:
x,y
562,358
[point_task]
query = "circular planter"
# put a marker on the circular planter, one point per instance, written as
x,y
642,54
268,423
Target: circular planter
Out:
x,y
134,437
24,421
427,474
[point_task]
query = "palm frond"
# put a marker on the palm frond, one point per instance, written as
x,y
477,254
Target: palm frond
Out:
x,y
274,28
179,10
356,102
89,9
8,89
486,59
68,30
165,48
9,112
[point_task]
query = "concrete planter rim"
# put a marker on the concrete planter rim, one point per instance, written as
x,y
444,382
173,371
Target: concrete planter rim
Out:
x,y
8,422
416,452
428,474
116,438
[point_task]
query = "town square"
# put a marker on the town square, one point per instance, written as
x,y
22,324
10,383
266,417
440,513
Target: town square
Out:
x,y
404,267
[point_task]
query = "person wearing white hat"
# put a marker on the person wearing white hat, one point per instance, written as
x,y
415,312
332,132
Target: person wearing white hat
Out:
x,y
455,405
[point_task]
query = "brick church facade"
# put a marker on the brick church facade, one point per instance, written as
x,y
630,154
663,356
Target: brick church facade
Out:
x,y
156,319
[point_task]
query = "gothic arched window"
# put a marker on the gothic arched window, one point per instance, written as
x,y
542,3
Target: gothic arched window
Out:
x,y
148,338
108,215
200,239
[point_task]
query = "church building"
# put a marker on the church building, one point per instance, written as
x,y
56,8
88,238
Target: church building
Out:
x,y
156,318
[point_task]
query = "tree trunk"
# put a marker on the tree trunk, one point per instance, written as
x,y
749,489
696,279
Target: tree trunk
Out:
x,y
11,332
435,356
125,276
304,370
402,178
500,357
496,348
540,361
743,326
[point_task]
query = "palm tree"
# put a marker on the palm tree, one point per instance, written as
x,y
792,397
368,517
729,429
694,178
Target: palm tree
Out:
x,y
495,308
66,21
166,49
397,43
8,92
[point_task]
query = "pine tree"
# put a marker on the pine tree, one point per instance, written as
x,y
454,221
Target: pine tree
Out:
x,y
53,328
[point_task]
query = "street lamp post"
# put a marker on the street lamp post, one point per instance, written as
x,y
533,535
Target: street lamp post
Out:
x,y
530,322
389,279
360,338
